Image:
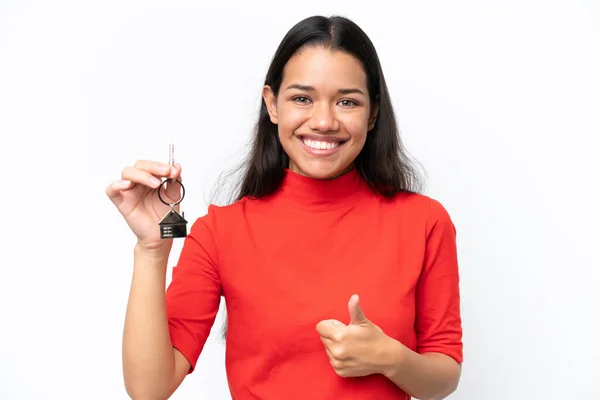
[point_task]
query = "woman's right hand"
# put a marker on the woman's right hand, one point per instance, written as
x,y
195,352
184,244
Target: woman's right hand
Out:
x,y
136,199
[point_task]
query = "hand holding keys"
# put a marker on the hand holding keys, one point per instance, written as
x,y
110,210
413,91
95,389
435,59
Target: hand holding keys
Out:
x,y
148,194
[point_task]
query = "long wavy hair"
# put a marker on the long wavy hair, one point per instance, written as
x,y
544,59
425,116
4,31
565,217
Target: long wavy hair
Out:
x,y
383,162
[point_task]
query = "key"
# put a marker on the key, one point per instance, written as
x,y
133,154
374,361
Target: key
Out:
x,y
172,225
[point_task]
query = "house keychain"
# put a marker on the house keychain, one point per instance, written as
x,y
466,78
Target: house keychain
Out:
x,y
172,225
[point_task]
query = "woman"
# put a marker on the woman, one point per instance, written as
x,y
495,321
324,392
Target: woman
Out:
x,y
340,280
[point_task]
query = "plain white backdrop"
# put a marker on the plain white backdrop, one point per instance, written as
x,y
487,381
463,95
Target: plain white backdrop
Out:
x,y
498,100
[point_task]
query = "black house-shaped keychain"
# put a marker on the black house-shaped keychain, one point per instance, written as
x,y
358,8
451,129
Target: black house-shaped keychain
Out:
x,y
173,225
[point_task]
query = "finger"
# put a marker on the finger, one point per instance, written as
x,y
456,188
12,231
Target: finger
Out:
x,y
324,329
328,328
174,189
338,352
116,187
328,343
357,316
329,355
115,190
140,176
175,172
155,168
336,364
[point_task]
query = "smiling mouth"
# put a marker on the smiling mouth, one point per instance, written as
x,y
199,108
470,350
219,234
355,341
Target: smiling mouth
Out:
x,y
321,147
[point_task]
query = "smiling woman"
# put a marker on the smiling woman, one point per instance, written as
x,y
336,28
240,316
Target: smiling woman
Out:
x,y
327,210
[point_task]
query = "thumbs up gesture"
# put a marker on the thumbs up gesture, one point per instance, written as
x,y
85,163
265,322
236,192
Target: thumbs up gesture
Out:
x,y
356,349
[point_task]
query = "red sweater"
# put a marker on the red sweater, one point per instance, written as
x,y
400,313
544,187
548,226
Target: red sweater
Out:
x,y
286,262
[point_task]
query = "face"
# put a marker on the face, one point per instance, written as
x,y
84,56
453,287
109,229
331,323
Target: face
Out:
x,y
322,111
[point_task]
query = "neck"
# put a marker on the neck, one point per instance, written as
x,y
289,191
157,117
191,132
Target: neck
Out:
x,y
294,168
303,192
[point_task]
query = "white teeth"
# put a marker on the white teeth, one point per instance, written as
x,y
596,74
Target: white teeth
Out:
x,y
320,145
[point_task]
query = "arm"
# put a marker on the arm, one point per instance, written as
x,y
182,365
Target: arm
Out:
x,y
362,348
433,371
165,331
428,376
151,367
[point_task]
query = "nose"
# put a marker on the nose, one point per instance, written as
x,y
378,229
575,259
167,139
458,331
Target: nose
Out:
x,y
323,119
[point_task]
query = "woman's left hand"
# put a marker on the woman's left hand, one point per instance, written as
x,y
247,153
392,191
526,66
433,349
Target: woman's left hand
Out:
x,y
358,349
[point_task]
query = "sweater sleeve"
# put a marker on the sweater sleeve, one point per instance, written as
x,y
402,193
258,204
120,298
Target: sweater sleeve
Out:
x,y
438,320
194,294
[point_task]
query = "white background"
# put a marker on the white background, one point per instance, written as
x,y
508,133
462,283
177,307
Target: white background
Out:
x,y
499,101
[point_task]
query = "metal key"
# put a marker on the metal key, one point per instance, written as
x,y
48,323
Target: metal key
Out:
x,y
172,225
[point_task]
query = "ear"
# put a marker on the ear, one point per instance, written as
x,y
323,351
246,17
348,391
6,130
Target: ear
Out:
x,y
271,103
374,114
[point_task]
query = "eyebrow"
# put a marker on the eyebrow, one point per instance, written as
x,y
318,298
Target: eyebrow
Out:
x,y
308,88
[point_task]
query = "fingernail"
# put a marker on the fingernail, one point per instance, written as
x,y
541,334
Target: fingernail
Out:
x,y
124,183
154,181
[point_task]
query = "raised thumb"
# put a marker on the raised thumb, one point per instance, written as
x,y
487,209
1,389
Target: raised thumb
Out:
x,y
357,316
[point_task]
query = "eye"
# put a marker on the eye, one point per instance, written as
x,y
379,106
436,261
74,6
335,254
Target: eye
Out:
x,y
348,103
301,100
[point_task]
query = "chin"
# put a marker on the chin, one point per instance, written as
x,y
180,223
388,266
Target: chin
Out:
x,y
321,171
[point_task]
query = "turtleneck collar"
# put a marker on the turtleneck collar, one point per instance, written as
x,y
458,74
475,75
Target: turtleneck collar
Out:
x,y
322,194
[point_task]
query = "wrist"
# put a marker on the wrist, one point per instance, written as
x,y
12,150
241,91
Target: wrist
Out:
x,y
152,252
393,359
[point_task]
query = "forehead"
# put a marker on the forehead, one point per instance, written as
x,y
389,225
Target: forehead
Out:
x,y
323,67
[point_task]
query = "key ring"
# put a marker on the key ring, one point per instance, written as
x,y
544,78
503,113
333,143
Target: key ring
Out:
x,y
182,192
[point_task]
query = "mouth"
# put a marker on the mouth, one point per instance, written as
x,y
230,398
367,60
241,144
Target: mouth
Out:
x,y
321,146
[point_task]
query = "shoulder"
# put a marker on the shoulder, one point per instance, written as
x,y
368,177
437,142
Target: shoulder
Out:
x,y
220,219
434,213
418,207
220,215
415,202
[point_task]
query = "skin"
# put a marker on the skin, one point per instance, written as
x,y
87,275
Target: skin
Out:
x,y
323,97
152,368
